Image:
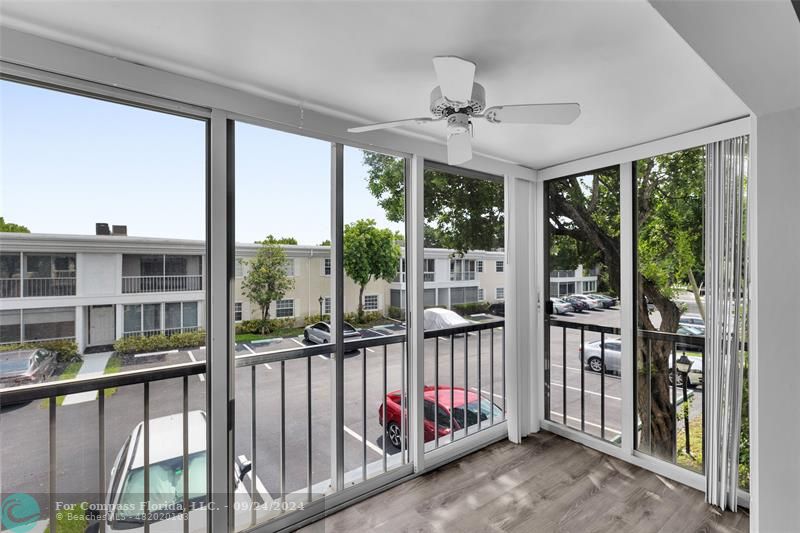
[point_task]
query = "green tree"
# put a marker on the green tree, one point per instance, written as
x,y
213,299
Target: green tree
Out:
x,y
267,280
460,213
669,196
326,242
270,239
10,227
369,253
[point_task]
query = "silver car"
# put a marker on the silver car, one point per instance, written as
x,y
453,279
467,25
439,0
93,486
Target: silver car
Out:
x,y
561,307
320,333
23,367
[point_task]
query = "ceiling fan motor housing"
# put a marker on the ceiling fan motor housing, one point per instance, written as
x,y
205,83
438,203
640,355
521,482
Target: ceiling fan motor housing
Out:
x,y
442,107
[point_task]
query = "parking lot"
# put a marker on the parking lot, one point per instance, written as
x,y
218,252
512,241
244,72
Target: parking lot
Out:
x,y
24,429
591,380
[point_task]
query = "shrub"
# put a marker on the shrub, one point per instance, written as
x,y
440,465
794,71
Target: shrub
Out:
x,y
313,319
66,350
155,343
254,327
396,313
472,308
369,317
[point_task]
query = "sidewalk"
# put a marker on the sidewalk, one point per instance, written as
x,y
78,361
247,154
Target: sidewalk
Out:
x,y
93,365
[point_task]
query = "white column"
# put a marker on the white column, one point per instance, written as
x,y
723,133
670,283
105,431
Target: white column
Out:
x,y
219,356
80,327
119,323
415,332
774,188
522,381
627,327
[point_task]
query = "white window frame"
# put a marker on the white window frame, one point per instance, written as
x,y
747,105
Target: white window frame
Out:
x,y
237,310
278,308
327,306
479,266
290,267
377,302
326,267
481,294
500,293
499,266
429,275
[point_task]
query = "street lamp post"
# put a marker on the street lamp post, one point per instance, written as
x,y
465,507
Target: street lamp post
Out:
x,y
684,365
321,301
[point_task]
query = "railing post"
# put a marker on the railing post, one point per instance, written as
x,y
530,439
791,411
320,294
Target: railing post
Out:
x,y
337,317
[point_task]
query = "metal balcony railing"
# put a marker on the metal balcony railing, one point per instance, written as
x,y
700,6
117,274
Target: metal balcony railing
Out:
x,y
281,366
10,287
138,284
462,276
580,332
57,286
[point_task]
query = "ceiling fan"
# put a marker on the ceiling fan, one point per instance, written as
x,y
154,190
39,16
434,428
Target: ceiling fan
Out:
x,y
459,100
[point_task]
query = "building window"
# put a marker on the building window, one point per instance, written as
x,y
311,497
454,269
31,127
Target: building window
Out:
x,y
237,311
289,267
371,302
401,273
37,324
479,266
499,266
500,293
327,308
429,273
462,269
284,308
326,266
589,286
239,268
480,294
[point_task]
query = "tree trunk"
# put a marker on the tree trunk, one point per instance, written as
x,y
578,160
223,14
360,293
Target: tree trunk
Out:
x,y
264,318
361,303
696,291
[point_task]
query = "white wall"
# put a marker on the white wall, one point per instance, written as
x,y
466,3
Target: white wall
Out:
x,y
775,316
97,274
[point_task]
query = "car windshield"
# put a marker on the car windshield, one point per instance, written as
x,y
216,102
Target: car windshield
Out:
x,y
348,327
485,409
17,364
166,488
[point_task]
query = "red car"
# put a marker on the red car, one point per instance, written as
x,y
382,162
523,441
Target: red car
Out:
x,y
438,401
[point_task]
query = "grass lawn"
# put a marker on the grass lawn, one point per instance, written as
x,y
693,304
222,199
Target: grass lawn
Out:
x,y
69,373
113,366
287,332
695,460
69,521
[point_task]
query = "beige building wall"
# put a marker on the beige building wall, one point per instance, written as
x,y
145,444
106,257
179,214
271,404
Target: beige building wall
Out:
x,y
311,283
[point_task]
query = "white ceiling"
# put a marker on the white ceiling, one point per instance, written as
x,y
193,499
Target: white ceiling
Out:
x,y
634,77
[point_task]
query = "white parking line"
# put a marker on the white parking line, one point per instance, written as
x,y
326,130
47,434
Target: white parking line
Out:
x,y
191,356
297,342
356,436
253,352
378,332
586,391
148,354
568,368
443,339
487,393
561,415
259,486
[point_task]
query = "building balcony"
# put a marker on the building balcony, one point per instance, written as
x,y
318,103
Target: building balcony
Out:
x,y
33,287
142,284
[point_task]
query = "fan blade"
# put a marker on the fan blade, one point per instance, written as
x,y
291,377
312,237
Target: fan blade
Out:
x,y
455,77
533,114
459,148
393,124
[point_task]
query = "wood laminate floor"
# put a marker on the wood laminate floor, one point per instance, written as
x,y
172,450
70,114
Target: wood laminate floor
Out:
x,y
548,483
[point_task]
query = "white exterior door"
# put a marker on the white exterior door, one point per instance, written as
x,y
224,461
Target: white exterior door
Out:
x,y
101,325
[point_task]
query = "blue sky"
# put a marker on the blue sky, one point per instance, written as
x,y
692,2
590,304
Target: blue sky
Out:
x,y
68,161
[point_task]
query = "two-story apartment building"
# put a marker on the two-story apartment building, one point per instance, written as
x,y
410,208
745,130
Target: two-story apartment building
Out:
x,y
98,288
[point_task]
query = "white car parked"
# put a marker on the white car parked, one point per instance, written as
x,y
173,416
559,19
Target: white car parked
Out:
x,y
124,498
561,307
